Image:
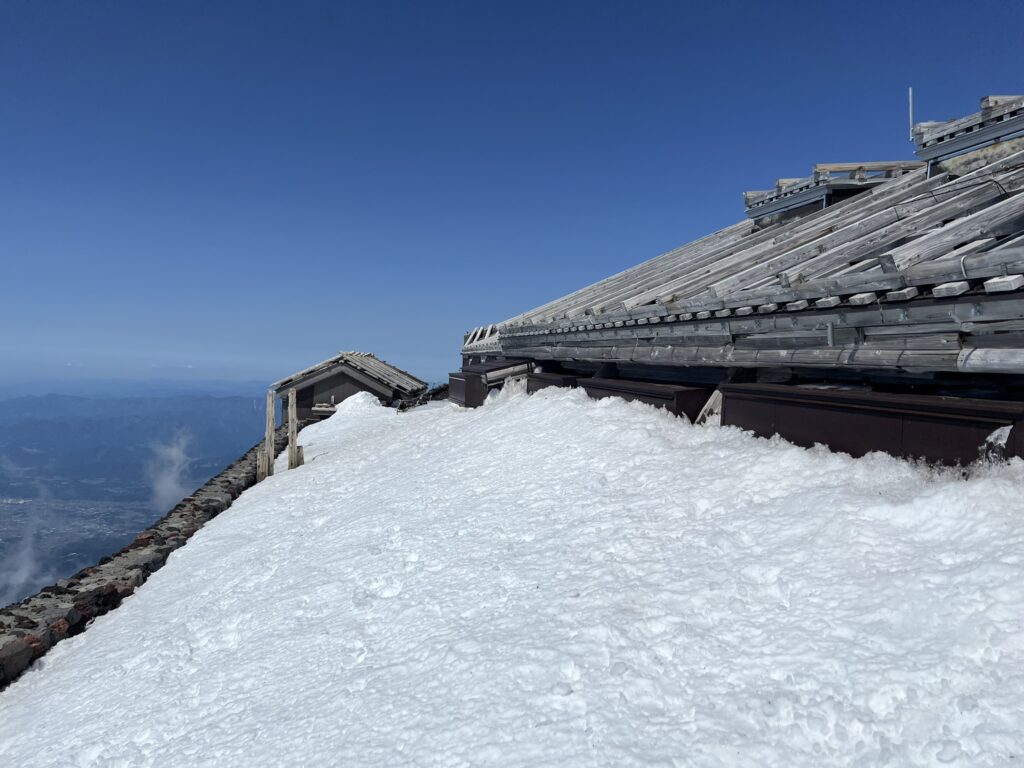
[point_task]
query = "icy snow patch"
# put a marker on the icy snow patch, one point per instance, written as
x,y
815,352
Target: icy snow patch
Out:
x,y
551,580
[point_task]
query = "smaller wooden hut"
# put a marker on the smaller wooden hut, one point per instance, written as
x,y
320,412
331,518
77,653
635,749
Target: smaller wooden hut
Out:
x,y
321,387
313,393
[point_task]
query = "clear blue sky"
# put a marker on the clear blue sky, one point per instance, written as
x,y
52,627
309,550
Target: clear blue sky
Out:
x,y
237,190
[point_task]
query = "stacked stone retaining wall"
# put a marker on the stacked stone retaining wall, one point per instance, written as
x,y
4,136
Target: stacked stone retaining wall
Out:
x,y
29,628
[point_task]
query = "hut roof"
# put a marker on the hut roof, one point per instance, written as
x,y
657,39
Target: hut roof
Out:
x,y
922,271
365,363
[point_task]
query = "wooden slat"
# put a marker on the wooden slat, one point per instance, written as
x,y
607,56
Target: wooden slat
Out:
x,y
809,236
1004,284
865,237
951,289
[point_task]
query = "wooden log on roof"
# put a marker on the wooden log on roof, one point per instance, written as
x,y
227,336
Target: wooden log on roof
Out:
x,y
868,237
828,261
760,245
612,296
870,167
980,225
952,200
806,236
585,296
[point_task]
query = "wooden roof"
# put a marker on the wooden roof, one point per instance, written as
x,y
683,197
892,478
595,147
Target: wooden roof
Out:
x,y
999,118
364,363
918,273
825,179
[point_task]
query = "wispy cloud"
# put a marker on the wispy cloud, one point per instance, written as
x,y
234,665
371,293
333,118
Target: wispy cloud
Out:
x,y
23,570
167,471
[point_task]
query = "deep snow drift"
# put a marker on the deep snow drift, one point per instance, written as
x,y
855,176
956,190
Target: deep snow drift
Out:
x,y
552,580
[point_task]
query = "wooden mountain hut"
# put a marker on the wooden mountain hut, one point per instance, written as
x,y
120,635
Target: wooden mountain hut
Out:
x,y
313,393
322,386
867,306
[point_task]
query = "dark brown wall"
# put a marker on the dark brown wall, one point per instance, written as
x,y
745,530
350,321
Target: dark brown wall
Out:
x,y
340,386
948,430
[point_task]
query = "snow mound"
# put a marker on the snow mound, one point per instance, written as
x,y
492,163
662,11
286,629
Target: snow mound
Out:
x,y
552,580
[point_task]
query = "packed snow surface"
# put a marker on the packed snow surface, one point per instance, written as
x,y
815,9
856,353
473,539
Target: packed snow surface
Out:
x,y
551,580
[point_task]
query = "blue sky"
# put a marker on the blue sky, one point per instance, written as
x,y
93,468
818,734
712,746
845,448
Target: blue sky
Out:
x,y
237,190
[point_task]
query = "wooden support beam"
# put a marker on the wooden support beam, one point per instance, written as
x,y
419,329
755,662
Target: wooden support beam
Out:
x,y
951,289
861,299
903,294
295,458
1004,284
265,459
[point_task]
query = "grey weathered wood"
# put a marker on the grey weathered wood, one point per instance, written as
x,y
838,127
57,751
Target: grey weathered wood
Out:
x,y
951,289
956,200
711,408
967,314
760,246
850,228
862,298
1004,284
978,360
816,233
905,206
922,246
903,294
268,438
682,260
864,237
294,455
854,356
600,292
976,225
875,166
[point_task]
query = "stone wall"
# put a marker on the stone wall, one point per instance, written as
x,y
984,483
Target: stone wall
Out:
x,y
29,628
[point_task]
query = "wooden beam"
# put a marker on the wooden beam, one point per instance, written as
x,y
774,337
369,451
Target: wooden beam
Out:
x,y
294,449
951,289
1004,284
268,439
881,165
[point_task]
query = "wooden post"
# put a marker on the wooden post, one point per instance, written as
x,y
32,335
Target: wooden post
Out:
x,y
294,451
268,440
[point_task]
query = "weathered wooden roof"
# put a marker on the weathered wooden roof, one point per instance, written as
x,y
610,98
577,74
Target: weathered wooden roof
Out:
x,y
825,179
919,273
365,363
1000,117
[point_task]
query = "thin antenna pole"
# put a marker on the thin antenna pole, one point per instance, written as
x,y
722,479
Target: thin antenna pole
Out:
x,y
910,109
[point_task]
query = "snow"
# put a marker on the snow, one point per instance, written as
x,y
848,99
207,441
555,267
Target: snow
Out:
x,y
552,580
